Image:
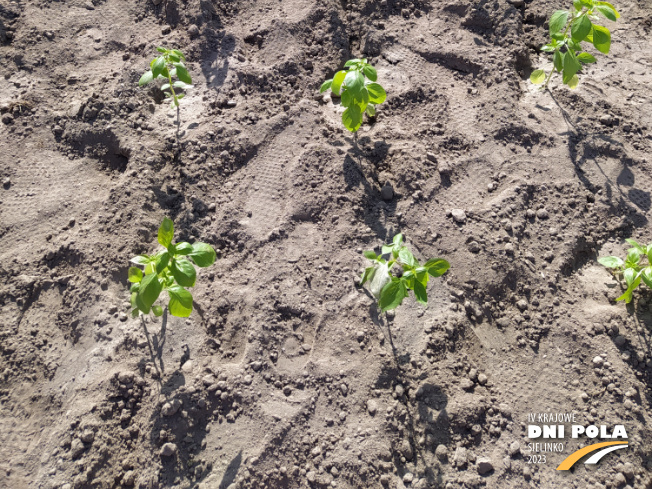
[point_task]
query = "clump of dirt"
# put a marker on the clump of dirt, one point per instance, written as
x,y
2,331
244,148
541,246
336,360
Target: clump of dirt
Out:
x,y
286,374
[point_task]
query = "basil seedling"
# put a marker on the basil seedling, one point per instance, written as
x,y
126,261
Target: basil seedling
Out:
x,y
632,269
358,91
568,29
169,270
389,289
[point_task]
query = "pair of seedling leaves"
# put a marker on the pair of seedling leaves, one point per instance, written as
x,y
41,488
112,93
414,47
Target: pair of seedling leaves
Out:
x,y
168,66
168,270
568,29
390,290
358,94
632,269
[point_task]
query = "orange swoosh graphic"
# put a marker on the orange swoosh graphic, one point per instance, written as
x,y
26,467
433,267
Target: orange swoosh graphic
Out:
x,y
575,456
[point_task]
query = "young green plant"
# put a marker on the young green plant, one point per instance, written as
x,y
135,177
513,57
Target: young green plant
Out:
x,y
358,91
568,29
633,269
167,270
390,289
166,67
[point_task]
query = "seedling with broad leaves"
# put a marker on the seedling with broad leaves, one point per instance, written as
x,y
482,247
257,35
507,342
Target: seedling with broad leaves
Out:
x,y
390,289
168,270
633,268
168,66
568,29
358,91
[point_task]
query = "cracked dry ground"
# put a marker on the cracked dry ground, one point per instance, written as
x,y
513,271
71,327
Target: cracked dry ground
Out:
x,y
285,375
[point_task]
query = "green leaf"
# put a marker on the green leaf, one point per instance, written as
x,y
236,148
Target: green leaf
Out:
x,y
437,267
347,98
420,293
162,260
397,240
141,259
338,79
633,280
157,310
368,274
325,86
548,48
581,28
134,287
361,99
134,313
371,110
392,295
387,249
573,82
352,62
601,38
633,256
161,50
147,77
180,302
407,258
203,254
607,4
150,289
370,254
182,248
352,118
166,232
183,272
558,60
183,75
370,72
557,21
164,87
646,276
635,244
538,77
182,85
354,80
611,261
571,65
607,12
179,53
135,275
377,94
158,66
586,58
150,267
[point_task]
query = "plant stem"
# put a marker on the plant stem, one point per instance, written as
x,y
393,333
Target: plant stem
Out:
x,y
553,54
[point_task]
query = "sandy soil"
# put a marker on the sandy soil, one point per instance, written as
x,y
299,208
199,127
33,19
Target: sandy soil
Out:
x,y
286,375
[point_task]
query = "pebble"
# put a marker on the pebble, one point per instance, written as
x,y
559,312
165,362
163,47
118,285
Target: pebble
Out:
x,y
542,214
522,305
311,476
598,361
372,407
441,452
387,192
459,216
400,390
76,448
344,389
514,448
248,379
474,247
193,30
482,379
168,450
408,478
6,183
287,390
459,457
620,340
484,466
87,436
129,479
170,408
